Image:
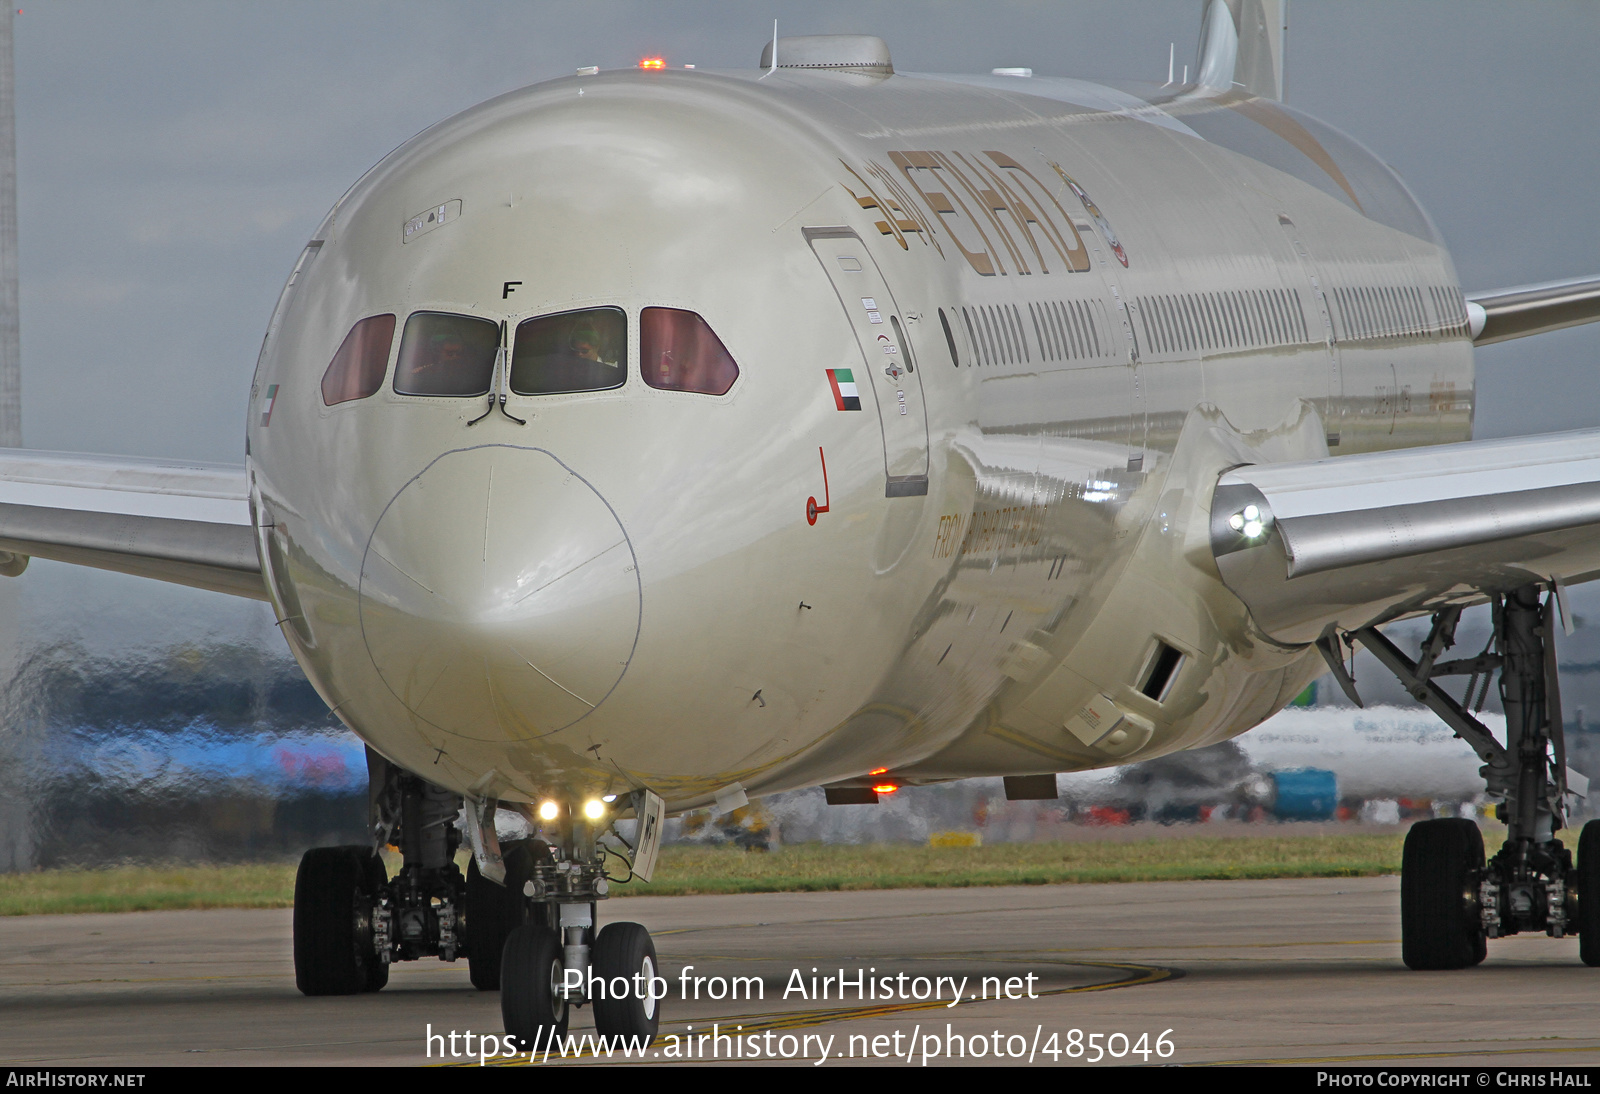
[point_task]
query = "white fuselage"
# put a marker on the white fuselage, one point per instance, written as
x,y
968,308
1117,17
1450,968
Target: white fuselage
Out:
x,y
1083,308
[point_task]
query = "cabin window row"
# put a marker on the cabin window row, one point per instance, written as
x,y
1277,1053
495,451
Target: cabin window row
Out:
x,y
1382,311
998,334
1242,319
450,355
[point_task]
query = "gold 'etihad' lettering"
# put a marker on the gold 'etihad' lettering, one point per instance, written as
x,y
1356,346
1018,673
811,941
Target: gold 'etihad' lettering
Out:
x,y
997,213
1068,245
902,215
947,207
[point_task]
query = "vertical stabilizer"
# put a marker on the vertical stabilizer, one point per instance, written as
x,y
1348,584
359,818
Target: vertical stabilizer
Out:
x,y
1241,46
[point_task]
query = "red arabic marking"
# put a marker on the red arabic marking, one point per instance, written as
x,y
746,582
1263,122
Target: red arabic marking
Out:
x,y
812,508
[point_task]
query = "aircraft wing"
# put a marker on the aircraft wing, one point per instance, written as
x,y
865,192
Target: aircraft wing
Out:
x,y
1503,314
181,522
1354,541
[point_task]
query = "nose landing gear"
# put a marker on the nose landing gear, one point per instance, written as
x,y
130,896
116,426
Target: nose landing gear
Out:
x,y
1451,900
554,961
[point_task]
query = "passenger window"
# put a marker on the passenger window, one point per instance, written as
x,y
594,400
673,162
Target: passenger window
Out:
x,y
575,351
443,354
357,369
679,352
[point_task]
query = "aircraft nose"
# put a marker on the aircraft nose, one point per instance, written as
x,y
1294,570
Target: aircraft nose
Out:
x,y
500,595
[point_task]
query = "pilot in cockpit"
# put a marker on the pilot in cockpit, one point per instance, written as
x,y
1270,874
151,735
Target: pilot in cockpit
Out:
x,y
440,369
585,345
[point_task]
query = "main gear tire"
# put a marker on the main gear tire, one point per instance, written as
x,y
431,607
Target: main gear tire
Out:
x,y
494,911
1440,924
333,898
1588,872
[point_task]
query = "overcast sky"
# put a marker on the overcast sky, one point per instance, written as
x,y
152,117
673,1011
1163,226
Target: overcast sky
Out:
x,y
174,157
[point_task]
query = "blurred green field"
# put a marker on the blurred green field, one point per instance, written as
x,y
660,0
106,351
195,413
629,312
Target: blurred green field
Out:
x,y
800,868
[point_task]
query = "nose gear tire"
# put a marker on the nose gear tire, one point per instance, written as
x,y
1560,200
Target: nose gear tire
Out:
x,y
624,952
532,1008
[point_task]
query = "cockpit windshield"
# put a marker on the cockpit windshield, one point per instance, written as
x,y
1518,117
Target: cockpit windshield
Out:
x,y
442,354
680,352
574,351
357,369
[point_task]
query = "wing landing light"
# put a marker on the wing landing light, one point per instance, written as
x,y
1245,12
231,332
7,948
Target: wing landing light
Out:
x,y
1356,541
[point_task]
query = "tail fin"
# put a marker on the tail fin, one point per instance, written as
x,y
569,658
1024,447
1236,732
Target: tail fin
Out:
x,y
1241,46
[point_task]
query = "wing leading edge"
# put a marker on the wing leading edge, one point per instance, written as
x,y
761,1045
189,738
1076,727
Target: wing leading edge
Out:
x,y
1503,314
1355,541
185,523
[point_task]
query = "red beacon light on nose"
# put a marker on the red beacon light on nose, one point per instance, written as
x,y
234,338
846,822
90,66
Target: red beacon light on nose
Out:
x,y
653,63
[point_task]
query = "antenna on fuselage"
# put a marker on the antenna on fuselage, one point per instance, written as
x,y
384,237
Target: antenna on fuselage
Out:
x,y
774,67
1172,55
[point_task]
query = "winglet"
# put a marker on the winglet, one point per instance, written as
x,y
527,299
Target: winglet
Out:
x,y
1241,46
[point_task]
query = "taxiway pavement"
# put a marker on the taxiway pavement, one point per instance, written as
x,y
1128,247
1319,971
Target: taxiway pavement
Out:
x,y
1296,971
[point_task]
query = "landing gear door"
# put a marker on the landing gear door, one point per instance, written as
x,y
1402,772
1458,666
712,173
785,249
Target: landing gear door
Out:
x,y
889,359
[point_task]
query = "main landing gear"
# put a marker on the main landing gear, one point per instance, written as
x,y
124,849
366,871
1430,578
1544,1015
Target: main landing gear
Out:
x,y
531,935
352,921
1452,900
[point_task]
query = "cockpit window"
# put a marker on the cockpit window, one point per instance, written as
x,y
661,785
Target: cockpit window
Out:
x,y
357,369
679,352
443,354
574,351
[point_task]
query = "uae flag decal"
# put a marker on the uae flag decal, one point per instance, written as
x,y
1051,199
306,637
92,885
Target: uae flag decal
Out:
x,y
843,383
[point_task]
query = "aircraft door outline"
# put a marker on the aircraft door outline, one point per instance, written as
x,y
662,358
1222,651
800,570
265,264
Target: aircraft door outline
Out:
x,y
886,354
1335,402
1119,313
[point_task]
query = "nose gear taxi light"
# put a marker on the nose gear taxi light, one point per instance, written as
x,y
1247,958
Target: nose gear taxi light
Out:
x,y
594,809
549,810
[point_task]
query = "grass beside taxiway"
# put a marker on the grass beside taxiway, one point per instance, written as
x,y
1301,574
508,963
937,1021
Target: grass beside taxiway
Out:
x,y
147,889
800,868
819,868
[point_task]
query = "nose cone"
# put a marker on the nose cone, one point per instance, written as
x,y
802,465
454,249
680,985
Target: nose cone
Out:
x,y
500,596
